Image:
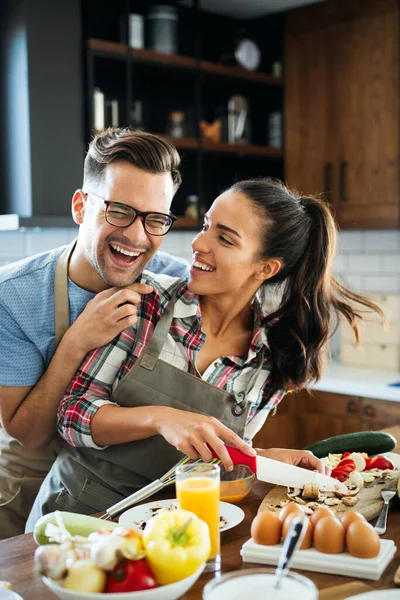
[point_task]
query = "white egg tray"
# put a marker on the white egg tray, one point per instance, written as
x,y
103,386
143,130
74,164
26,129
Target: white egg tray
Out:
x,y
312,560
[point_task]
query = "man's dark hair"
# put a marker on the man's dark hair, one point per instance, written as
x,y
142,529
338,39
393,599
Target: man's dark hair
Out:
x,y
146,151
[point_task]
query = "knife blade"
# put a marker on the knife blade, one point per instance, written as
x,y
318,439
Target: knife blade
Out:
x,y
280,473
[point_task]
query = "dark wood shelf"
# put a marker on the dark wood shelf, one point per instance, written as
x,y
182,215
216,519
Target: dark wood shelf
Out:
x,y
106,46
239,73
225,148
182,143
249,149
151,57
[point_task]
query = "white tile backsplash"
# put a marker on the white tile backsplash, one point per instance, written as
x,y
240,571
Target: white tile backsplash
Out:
x,y
351,242
369,261
15,245
366,260
361,263
382,241
391,264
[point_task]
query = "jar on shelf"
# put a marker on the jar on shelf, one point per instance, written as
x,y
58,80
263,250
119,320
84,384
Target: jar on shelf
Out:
x,y
176,124
192,207
163,28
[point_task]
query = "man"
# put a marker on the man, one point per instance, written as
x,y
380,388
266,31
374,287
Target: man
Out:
x,y
82,297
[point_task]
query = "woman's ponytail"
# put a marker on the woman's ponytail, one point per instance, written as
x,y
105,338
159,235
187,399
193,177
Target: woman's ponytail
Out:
x,y
301,232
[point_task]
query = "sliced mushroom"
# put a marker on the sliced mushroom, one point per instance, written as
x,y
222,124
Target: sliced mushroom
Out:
x,y
308,510
350,500
311,491
300,501
313,505
332,501
353,491
292,492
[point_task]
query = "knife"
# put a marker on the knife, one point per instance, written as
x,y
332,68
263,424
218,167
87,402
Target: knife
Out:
x,y
280,473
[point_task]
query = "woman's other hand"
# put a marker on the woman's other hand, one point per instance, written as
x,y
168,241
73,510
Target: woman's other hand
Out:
x,y
299,458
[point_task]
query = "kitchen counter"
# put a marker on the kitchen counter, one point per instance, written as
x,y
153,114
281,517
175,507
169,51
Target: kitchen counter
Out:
x,y
16,557
356,381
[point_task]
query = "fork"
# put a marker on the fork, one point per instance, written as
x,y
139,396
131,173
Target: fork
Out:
x,y
387,495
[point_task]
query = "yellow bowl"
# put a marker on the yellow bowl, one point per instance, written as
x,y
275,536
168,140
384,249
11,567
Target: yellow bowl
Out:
x,y
236,484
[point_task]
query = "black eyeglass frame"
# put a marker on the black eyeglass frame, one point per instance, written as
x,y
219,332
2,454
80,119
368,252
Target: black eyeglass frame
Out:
x,y
138,213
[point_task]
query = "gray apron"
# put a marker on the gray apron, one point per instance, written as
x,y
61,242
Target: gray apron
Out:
x,y
88,480
22,471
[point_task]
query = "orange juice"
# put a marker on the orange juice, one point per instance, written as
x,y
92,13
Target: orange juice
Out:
x,y
200,495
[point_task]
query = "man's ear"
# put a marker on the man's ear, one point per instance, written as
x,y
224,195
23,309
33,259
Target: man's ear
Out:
x,y
268,269
79,200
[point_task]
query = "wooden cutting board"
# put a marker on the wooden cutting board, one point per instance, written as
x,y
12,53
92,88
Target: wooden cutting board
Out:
x,y
370,502
345,590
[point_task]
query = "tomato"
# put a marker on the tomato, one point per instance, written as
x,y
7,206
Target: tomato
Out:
x,y
131,576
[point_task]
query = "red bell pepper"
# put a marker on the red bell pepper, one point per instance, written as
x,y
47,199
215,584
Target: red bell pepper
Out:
x,y
343,469
378,462
131,576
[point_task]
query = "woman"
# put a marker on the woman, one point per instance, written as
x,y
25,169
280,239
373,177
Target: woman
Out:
x,y
137,404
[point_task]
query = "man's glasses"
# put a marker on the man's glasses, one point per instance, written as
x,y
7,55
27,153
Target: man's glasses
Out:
x,y
122,215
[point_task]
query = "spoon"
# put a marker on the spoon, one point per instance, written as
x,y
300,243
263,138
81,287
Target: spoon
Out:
x,y
387,495
292,541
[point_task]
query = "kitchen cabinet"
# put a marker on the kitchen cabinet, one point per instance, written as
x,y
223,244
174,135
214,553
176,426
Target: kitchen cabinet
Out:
x,y
342,108
306,417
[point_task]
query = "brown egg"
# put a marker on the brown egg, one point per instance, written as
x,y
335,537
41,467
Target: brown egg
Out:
x,y
329,536
320,513
308,537
266,529
362,540
289,508
349,517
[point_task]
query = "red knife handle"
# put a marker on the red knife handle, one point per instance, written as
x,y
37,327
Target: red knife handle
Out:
x,y
238,457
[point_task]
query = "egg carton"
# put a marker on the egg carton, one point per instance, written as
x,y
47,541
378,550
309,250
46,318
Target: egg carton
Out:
x,y
312,560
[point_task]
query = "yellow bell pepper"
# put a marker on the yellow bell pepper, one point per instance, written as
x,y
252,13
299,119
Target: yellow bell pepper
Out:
x,y
177,542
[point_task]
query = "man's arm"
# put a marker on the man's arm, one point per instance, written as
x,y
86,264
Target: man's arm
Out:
x,y
29,413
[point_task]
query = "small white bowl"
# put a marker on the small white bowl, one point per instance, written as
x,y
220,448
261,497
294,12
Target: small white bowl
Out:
x,y
172,591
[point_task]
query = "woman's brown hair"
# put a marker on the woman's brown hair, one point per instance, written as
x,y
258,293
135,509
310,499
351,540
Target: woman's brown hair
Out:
x,y
301,232
144,150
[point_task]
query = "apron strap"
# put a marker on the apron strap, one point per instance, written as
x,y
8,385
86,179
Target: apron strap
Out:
x,y
240,397
61,301
149,358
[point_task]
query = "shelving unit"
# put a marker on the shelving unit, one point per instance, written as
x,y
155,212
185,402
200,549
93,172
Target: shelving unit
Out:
x,y
195,83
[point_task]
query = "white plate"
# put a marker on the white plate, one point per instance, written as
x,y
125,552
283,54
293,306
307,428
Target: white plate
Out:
x,y
377,595
233,514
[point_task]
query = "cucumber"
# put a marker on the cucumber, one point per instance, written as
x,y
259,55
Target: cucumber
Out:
x,y
76,524
371,442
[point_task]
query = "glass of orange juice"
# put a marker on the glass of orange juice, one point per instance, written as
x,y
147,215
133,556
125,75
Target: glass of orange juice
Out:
x,y
198,490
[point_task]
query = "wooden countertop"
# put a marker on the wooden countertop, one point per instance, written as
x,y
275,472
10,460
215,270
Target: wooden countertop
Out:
x,y
16,556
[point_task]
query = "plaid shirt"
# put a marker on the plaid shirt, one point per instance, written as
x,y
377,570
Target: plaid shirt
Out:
x,y
103,368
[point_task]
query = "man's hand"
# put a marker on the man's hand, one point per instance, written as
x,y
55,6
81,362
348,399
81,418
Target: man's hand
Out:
x,y
190,432
105,316
299,458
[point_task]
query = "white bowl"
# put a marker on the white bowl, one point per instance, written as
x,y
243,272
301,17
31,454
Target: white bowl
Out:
x,y
172,591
